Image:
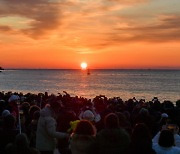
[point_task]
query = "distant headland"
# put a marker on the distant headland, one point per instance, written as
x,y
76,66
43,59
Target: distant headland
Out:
x,y
1,68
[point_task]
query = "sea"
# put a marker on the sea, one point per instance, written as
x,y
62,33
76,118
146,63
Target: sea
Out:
x,y
126,84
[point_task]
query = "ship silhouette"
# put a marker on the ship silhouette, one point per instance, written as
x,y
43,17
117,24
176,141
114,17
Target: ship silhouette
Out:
x,y
88,72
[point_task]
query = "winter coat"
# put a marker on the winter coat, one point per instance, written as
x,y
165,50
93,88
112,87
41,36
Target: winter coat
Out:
x,y
46,131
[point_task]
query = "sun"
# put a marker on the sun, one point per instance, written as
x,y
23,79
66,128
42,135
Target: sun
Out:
x,y
83,65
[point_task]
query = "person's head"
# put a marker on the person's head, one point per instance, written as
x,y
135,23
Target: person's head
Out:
x,y
122,118
55,106
21,141
141,132
13,100
141,139
5,113
85,127
9,122
2,105
36,115
163,119
164,115
143,112
32,110
88,115
25,107
178,103
166,138
111,121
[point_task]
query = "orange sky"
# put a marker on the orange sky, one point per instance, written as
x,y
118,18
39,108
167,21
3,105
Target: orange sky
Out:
x,y
103,33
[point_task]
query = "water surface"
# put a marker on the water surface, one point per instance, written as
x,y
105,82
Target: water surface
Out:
x,y
164,84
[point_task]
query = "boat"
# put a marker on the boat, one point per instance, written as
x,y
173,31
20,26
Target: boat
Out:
x,y
88,72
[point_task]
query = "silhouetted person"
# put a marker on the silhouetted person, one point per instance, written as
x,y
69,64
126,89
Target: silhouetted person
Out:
x,y
112,139
8,131
141,142
83,138
21,146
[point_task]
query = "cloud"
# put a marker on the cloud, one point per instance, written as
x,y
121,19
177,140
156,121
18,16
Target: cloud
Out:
x,y
167,28
44,14
128,2
5,29
102,21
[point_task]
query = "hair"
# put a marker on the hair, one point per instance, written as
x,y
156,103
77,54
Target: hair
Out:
x,y
32,110
178,103
36,115
21,141
141,139
25,107
55,105
111,121
84,127
141,131
9,122
166,138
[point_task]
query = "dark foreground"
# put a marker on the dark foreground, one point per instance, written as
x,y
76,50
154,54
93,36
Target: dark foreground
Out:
x,y
80,125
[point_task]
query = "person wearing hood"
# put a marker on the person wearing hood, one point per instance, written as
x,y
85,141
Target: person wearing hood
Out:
x,y
46,129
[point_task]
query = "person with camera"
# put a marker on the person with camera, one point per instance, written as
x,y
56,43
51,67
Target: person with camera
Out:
x,y
166,143
172,127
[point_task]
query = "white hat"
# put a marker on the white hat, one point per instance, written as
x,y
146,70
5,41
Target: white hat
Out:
x,y
88,115
5,113
13,98
164,115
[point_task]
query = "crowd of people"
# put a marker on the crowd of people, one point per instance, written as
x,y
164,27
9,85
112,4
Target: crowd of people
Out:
x,y
48,124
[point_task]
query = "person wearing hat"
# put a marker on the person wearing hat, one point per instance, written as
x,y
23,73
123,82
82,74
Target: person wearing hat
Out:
x,y
5,113
46,134
90,114
13,105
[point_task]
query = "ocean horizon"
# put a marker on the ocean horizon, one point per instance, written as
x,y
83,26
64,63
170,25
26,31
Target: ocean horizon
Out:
x,y
124,83
153,69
